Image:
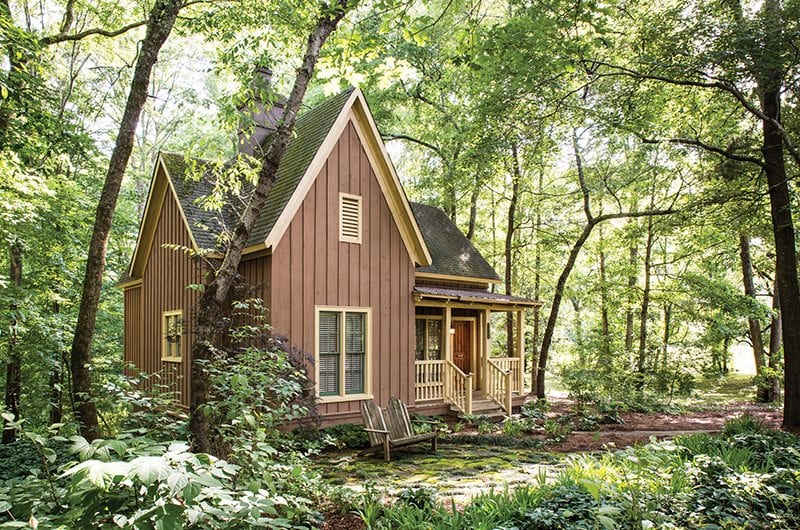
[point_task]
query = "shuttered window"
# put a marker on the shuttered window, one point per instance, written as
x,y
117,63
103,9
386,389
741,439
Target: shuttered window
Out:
x,y
342,354
172,335
349,218
355,351
329,353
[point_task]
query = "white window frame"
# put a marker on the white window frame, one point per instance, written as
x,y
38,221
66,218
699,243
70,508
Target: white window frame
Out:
x,y
346,238
165,353
426,318
342,396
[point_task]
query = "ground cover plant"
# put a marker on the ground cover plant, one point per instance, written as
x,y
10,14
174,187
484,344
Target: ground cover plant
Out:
x,y
748,476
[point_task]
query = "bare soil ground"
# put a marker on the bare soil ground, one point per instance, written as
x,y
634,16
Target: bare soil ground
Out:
x,y
640,427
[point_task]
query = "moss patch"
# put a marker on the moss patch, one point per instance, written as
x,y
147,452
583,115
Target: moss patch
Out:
x,y
456,471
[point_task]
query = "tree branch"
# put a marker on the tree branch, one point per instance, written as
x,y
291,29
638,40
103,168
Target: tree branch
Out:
x,y
716,83
706,147
70,37
423,143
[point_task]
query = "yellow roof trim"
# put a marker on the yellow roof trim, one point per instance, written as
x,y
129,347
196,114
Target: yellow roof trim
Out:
x,y
152,213
355,110
448,277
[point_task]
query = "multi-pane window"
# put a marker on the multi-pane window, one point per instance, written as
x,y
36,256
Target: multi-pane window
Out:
x,y
342,352
172,335
428,339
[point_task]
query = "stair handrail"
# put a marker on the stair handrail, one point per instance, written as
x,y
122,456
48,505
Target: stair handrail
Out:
x,y
458,387
498,385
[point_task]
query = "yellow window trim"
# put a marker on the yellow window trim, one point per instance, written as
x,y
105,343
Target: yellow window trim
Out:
x,y
164,348
367,394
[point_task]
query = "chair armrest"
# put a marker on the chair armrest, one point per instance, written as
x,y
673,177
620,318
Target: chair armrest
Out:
x,y
379,431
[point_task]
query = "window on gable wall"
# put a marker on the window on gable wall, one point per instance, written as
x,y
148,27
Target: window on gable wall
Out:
x,y
172,335
342,353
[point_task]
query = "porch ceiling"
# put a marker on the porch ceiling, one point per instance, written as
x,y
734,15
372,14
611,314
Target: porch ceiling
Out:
x,y
474,297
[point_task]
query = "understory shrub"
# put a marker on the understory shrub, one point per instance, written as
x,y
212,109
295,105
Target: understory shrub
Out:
x,y
747,477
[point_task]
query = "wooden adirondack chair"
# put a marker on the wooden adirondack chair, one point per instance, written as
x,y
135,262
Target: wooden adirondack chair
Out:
x,y
392,430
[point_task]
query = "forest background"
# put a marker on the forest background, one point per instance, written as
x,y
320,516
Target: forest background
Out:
x,y
630,164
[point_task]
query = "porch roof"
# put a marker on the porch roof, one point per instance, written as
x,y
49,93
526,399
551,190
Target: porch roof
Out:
x,y
472,296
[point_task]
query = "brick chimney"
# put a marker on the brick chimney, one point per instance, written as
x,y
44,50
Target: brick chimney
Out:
x,y
258,122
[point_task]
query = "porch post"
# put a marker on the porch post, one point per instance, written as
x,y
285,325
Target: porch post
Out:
x,y
448,323
487,315
521,348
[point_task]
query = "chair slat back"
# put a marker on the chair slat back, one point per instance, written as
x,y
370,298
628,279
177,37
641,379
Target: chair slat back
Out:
x,y
398,420
373,419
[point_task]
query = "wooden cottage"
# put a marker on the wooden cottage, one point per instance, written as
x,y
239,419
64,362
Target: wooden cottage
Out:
x,y
388,296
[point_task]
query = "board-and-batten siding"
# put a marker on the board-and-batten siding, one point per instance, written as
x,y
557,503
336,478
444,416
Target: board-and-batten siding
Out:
x,y
164,288
312,268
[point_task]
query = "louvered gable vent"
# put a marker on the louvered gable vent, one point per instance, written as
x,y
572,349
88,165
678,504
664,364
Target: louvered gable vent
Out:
x,y
349,218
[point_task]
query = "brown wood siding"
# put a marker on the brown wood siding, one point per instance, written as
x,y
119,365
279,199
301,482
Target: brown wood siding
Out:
x,y
256,274
164,288
312,268
132,341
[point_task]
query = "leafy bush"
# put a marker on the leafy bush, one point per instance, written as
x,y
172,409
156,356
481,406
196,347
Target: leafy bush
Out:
x,y
23,458
346,435
134,482
747,477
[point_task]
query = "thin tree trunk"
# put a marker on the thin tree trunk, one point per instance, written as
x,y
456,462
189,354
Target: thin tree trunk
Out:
x,y
56,381
213,303
775,340
537,275
473,209
754,326
605,352
632,279
667,333
14,363
511,228
159,25
641,363
769,88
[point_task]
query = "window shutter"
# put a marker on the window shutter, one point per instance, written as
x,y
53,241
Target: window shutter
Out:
x,y
328,353
354,348
349,218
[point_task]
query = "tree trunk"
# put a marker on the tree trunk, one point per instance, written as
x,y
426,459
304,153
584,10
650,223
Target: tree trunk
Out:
x,y
14,363
473,209
159,25
667,333
537,275
605,352
641,364
511,228
214,304
632,279
754,325
769,88
775,347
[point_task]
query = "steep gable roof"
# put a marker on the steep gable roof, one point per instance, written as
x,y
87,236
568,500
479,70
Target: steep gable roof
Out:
x,y
452,254
314,135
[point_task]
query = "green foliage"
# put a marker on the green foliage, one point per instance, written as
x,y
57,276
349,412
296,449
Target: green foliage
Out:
x,y
744,478
346,435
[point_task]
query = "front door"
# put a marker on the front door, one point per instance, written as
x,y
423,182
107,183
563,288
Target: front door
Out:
x,y
462,345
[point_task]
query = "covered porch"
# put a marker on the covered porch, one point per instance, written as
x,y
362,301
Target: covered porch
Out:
x,y
454,363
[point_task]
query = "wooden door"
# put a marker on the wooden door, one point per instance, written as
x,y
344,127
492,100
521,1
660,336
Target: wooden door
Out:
x,y
462,345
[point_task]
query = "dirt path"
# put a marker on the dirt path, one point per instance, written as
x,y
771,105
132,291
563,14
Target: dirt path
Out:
x,y
641,427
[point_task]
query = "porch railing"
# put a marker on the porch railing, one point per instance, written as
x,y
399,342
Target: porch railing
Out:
x,y
498,385
513,365
430,380
458,387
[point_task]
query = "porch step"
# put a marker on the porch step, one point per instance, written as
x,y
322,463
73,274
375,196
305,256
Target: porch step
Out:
x,y
483,407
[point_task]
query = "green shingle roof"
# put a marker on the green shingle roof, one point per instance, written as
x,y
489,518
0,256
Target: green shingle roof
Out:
x,y
310,131
451,253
